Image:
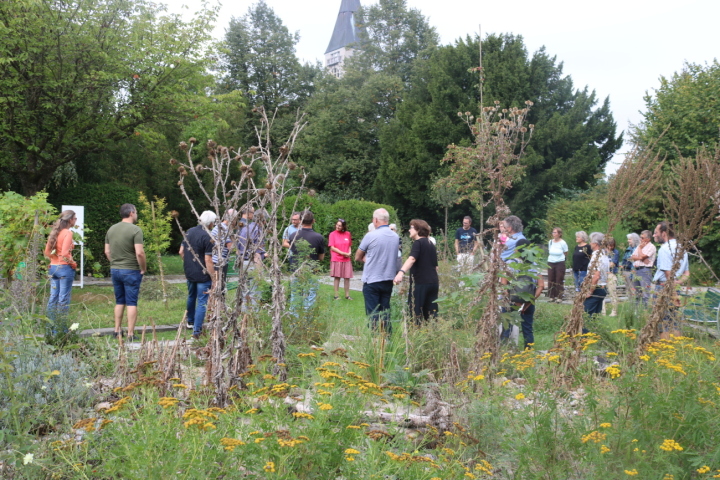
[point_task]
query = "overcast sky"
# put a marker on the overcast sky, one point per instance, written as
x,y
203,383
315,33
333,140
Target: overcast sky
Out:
x,y
619,48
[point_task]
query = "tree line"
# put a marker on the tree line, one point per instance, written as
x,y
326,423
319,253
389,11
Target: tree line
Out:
x,y
93,91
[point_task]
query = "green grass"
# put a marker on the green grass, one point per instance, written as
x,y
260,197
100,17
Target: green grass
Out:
x,y
172,265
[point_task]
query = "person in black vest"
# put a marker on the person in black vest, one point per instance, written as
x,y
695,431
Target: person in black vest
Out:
x,y
422,267
196,252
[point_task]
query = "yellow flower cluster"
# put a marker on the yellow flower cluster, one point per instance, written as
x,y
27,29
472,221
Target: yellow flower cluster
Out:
x,y
200,418
703,469
632,472
179,385
519,396
670,445
594,436
87,424
485,467
167,402
117,405
361,364
289,442
605,425
325,406
269,467
305,355
614,371
629,333
604,449
303,415
231,443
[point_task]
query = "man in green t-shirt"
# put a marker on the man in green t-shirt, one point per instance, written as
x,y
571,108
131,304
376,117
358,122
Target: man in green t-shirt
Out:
x,y
124,249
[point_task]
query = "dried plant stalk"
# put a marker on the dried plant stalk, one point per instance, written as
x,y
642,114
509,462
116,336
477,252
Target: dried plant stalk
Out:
x,y
691,198
483,173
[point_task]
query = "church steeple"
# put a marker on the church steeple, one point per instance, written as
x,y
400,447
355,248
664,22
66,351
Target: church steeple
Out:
x,y
345,34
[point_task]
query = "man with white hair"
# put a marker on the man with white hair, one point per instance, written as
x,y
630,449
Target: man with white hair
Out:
x,y
378,249
197,254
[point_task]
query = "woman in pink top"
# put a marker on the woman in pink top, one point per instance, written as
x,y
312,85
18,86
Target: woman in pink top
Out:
x,y
62,267
340,244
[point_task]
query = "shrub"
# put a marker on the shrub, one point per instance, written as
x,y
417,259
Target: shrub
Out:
x,y
102,203
39,388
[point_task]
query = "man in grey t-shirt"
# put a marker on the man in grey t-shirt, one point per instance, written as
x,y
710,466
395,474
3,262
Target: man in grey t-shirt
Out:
x,y
378,250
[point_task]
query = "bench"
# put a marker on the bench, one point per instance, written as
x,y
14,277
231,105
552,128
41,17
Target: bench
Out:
x,y
705,310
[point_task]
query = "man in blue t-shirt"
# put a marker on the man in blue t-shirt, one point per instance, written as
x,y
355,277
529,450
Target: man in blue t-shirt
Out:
x,y
465,245
378,249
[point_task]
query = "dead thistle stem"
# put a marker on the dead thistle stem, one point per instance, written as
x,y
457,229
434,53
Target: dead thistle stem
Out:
x,y
231,187
488,169
691,198
638,176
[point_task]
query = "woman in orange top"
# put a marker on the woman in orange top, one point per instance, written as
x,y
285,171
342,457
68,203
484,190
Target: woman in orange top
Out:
x,y
62,267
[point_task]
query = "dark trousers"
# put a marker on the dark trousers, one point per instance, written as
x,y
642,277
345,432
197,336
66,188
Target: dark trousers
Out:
x,y
377,304
422,300
527,317
556,279
593,304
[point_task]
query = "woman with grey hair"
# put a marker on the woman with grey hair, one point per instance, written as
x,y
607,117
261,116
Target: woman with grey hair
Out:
x,y
581,258
626,265
599,266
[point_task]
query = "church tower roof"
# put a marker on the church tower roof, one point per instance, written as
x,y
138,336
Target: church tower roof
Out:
x,y
346,30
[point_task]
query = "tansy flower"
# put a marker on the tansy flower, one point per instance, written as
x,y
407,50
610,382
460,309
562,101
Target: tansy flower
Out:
x,y
325,406
351,451
604,449
632,472
703,469
269,467
519,396
670,445
605,425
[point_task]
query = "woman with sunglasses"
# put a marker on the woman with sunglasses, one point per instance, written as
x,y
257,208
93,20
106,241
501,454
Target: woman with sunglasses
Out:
x,y
340,243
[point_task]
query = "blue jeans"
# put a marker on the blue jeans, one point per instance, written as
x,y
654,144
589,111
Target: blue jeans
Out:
x,y
579,277
307,290
593,304
198,293
377,304
126,284
61,280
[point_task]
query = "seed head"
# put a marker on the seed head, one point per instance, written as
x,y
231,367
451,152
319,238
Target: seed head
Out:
x,y
192,140
183,146
292,165
211,144
174,214
173,161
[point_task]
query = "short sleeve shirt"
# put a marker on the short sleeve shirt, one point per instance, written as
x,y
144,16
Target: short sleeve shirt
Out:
x,y
314,239
220,234
466,239
424,270
343,242
602,265
665,260
289,231
380,247
648,250
557,251
510,243
122,238
202,244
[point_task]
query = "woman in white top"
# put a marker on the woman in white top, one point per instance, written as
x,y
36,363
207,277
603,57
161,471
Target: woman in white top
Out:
x,y
557,251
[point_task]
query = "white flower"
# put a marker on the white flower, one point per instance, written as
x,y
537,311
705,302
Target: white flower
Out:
x,y
28,458
74,326
44,387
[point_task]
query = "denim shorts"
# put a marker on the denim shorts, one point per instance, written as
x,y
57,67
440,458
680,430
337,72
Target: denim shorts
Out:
x,y
127,286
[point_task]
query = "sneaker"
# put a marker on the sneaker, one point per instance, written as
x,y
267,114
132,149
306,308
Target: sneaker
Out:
x,y
196,336
190,326
118,334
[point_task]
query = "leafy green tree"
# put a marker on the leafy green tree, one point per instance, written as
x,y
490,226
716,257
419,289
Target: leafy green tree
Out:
x,y
77,76
260,61
687,105
395,37
572,141
340,146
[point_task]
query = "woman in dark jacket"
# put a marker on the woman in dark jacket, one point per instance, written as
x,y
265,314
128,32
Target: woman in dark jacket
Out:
x,y
581,258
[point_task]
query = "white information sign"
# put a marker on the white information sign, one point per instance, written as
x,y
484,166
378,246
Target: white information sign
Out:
x,y
79,228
